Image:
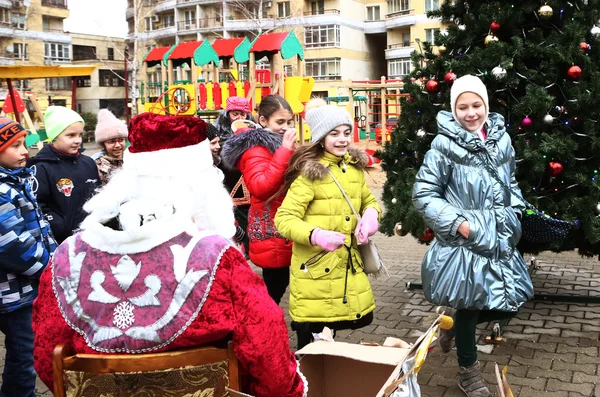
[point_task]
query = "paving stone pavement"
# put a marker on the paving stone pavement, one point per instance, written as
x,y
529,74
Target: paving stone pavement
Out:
x,y
552,349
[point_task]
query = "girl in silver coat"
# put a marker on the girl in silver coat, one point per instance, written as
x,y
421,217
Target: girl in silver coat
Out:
x,y
473,266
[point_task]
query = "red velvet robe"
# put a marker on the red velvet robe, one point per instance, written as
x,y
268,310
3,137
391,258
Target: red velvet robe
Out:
x,y
183,292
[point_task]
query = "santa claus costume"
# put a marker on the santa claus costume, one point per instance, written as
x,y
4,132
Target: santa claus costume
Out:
x,y
153,268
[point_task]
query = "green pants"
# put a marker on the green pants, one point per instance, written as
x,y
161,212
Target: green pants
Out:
x,y
465,324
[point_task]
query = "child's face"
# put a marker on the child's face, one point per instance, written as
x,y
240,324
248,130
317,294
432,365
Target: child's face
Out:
x,y
214,145
470,111
279,121
236,115
114,147
70,139
14,156
338,140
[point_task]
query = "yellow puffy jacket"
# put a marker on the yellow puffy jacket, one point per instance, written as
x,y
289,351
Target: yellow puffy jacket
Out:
x,y
326,286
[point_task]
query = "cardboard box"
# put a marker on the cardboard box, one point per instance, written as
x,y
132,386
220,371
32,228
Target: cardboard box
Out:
x,y
336,369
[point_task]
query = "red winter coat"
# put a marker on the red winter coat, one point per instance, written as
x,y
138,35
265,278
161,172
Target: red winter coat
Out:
x,y
262,160
222,297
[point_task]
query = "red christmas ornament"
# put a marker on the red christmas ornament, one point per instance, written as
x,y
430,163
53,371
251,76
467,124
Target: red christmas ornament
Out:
x,y
555,167
574,72
494,26
449,78
411,99
527,122
585,47
427,236
432,86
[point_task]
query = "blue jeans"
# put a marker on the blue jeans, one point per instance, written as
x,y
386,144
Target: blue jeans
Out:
x,y
18,379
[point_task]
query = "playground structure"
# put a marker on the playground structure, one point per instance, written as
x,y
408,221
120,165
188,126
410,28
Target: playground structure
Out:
x,y
205,87
13,103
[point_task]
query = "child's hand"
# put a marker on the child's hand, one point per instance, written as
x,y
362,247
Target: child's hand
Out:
x,y
289,138
328,240
464,229
367,226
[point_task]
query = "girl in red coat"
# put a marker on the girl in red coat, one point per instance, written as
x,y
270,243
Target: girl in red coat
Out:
x,y
262,156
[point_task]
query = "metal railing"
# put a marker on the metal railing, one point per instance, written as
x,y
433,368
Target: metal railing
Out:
x,y
55,3
322,12
400,45
399,13
201,24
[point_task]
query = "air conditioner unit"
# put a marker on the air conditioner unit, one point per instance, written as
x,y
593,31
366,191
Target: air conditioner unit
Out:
x,y
268,4
155,18
17,3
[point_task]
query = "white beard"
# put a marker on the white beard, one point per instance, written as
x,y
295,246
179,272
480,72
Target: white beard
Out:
x,y
135,200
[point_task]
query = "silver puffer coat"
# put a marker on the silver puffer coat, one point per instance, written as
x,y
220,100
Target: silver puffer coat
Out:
x,y
483,271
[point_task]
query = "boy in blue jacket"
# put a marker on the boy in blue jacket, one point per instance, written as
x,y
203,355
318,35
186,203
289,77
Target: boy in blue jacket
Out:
x,y
26,244
64,178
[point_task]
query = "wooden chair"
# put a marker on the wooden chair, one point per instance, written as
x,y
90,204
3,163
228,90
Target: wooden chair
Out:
x,y
132,365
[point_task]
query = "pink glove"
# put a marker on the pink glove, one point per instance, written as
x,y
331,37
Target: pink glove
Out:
x,y
328,240
367,226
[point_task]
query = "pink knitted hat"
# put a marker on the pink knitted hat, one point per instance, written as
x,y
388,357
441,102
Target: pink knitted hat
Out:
x,y
109,127
237,103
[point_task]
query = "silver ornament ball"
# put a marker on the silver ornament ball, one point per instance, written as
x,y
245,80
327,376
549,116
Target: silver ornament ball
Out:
x,y
548,119
421,134
394,200
499,73
462,27
595,31
598,208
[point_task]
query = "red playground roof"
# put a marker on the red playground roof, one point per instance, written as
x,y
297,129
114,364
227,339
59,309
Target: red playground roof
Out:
x,y
226,47
185,49
269,42
157,54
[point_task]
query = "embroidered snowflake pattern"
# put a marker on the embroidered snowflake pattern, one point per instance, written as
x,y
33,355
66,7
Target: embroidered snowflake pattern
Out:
x,y
123,315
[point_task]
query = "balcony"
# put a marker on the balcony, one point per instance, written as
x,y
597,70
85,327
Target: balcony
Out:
x,y
203,24
322,17
404,18
129,13
156,34
6,4
197,2
399,50
55,3
55,36
55,8
248,24
165,6
372,27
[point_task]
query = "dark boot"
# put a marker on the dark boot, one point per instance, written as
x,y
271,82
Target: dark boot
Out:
x,y
471,382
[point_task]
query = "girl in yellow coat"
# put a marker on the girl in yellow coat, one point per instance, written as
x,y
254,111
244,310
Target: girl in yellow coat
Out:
x,y
328,286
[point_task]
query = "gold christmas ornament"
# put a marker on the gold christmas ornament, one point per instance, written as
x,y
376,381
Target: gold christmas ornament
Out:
x,y
489,38
442,49
546,11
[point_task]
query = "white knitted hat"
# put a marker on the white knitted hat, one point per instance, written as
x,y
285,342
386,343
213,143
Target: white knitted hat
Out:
x,y
469,83
322,118
109,127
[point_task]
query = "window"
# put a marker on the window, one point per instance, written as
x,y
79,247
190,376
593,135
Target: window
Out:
x,y
432,5
395,6
57,52
18,21
84,81
83,52
21,51
322,36
430,35
190,17
110,54
324,69
58,83
168,20
5,16
283,9
399,67
288,70
373,13
21,84
111,78
406,39
149,24
317,7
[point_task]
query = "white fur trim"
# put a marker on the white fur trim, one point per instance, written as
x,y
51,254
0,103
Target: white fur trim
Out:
x,y
141,239
305,394
169,162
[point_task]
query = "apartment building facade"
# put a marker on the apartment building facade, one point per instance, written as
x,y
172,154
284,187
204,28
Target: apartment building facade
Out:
x,y
344,40
31,33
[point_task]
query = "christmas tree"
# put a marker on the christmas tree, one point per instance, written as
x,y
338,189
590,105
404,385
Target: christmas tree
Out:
x,y
541,64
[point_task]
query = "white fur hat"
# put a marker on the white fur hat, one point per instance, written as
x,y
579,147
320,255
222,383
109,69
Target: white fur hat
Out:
x,y
469,83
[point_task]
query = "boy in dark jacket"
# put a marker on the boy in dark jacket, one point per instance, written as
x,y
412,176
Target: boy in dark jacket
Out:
x,y
65,178
25,248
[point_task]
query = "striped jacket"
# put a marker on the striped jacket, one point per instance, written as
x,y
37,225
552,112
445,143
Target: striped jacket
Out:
x,y
26,241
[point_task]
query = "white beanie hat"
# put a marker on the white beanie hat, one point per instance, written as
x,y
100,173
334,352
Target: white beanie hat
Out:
x,y
469,83
322,118
109,127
